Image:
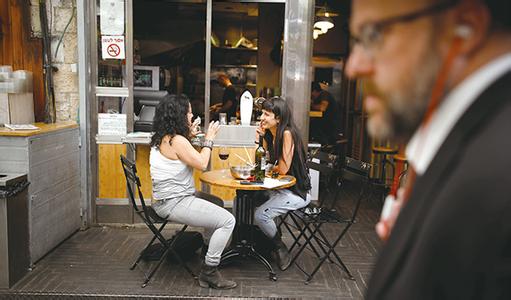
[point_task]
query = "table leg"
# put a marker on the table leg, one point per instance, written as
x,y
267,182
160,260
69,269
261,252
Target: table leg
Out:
x,y
243,242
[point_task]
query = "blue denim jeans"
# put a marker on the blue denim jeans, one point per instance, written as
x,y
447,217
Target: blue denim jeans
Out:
x,y
217,222
280,202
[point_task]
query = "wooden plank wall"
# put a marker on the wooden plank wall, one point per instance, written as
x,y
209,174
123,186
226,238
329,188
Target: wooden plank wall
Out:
x,y
19,50
111,181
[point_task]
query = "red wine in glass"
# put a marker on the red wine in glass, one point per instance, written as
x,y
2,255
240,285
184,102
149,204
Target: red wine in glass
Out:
x,y
223,156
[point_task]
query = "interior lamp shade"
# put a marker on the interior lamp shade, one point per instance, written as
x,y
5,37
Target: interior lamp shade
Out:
x,y
324,23
316,33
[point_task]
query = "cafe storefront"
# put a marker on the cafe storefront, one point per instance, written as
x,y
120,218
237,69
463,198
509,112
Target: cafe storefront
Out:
x,y
133,52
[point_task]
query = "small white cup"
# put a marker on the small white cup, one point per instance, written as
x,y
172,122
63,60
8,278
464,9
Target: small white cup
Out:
x,y
223,118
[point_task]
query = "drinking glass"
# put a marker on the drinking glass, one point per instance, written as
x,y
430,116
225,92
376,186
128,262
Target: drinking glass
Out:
x,y
223,154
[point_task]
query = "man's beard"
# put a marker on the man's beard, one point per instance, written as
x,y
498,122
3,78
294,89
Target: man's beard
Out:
x,y
398,114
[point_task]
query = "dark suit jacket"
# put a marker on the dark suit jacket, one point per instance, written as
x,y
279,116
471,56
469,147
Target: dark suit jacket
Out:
x,y
453,238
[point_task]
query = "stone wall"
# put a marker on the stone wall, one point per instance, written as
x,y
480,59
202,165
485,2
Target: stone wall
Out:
x,y
65,58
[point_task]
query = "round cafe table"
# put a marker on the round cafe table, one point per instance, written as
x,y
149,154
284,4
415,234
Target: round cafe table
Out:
x,y
243,242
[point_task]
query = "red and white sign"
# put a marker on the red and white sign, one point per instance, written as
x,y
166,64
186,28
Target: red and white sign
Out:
x,y
112,47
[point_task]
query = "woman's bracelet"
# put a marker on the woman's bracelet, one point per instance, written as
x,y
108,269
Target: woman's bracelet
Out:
x,y
208,144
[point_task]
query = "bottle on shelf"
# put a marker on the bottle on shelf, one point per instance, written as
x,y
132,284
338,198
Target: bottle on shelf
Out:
x,y
260,161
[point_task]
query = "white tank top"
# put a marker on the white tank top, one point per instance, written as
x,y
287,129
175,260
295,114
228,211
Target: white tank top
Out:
x,y
171,178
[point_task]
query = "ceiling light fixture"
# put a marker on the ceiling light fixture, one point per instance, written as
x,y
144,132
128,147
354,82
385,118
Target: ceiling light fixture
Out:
x,y
324,23
323,19
316,33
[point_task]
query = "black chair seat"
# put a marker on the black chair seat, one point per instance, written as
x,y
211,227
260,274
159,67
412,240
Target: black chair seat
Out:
x,y
153,215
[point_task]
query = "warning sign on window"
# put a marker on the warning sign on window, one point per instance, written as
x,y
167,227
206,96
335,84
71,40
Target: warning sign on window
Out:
x,y
112,47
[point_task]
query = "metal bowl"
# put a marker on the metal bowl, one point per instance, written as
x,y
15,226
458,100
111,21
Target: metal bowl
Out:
x,y
241,172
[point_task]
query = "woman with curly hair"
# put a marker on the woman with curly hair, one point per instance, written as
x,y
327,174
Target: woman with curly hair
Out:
x,y
283,142
172,161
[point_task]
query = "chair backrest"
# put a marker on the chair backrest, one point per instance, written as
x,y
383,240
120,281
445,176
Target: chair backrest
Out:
x,y
328,166
323,162
358,172
133,181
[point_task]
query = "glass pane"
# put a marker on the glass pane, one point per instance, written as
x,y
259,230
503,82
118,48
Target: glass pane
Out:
x,y
111,105
330,50
247,49
111,24
169,49
112,123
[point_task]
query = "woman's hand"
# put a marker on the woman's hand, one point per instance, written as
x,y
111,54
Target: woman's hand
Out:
x,y
259,132
195,127
213,128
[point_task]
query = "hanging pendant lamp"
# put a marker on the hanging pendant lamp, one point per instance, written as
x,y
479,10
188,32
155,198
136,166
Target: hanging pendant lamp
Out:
x,y
324,21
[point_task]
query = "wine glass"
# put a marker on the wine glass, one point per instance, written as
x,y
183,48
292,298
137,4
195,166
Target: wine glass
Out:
x,y
223,154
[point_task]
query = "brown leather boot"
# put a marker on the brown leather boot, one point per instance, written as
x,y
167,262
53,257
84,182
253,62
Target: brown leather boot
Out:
x,y
281,253
210,277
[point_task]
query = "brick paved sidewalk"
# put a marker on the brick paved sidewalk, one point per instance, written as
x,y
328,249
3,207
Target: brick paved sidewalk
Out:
x,y
94,264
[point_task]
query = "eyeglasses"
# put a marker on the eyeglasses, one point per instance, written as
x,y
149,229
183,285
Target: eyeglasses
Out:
x,y
371,34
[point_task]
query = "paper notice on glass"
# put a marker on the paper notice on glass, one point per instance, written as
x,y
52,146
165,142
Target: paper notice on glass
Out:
x,y
112,17
112,124
112,47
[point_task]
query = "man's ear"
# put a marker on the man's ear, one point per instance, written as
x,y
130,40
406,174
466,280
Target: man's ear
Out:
x,y
473,21
463,31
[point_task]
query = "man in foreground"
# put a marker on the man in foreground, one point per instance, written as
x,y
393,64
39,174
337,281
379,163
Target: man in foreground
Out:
x,y
438,77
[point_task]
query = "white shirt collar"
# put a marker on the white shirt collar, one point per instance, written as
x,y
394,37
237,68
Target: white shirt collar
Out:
x,y
426,141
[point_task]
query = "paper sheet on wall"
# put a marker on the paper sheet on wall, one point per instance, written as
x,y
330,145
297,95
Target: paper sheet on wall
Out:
x,y
112,124
112,17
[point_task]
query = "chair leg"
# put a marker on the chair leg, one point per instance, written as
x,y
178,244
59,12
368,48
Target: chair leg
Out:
x,y
330,251
153,271
282,221
319,242
300,250
176,255
296,238
146,247
168,249
327,253
303,230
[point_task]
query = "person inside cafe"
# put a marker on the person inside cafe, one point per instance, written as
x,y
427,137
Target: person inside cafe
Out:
x,y
172,160
282,140
229,103
438,75
324,129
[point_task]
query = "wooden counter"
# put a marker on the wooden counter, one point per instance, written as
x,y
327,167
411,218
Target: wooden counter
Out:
x,y
44,128
51,159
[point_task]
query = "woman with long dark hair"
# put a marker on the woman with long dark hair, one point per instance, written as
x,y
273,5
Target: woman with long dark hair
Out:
x,y
172,161
283,142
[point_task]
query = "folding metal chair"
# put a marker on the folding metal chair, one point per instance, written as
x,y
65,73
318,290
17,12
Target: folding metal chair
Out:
x,y
328,164
150,218
310,221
